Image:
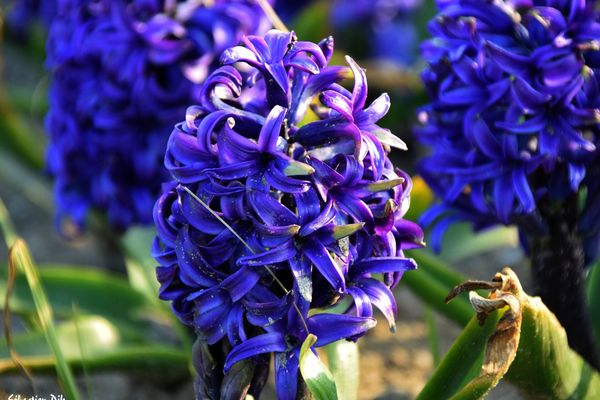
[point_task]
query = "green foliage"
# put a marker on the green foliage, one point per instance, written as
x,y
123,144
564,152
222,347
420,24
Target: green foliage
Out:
x,y
316,375
19,255
92,291
593,289
432,282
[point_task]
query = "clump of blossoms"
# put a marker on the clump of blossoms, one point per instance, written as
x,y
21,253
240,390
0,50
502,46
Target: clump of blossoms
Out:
x,y
513,130
283,202
122,74
387,26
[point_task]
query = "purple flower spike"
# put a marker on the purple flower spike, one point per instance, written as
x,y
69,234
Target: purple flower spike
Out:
x,y
513,128
514,118
123,72
283,200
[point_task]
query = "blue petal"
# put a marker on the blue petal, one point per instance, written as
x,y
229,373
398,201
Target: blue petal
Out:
x,y
276,255
269,133
382,298
523,190
286,375
329,328
265,343
380,265
270,211
321,259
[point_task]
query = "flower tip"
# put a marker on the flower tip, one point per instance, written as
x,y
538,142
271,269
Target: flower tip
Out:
x,y
295,168
294,229
371,323
342,231
385,185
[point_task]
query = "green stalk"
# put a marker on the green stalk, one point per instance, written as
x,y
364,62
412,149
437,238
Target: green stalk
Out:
x,y
462,362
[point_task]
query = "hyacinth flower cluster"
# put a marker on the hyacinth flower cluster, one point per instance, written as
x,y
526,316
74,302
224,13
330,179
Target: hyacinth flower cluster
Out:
x,y
283,203
387,25
122,74
513,131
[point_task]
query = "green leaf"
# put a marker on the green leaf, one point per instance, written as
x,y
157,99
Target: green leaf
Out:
x,y
136,244
343,357
19,255
94,343
97,334
593,291
436,267
432,335
433,293
545,366
462,362
93,291
316,375
461,242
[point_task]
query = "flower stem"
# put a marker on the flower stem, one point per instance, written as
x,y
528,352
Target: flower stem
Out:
x,y
557,261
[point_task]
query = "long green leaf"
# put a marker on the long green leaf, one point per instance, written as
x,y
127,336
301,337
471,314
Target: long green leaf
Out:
x,y
343,357
19,254
432,335
593,290
461,242
316,375
94,343
92,290
433,293
436,267
140,265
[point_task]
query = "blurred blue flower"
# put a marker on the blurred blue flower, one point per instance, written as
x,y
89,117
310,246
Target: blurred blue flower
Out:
x,y
513,121
387,26
122,74
283,200
23,14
